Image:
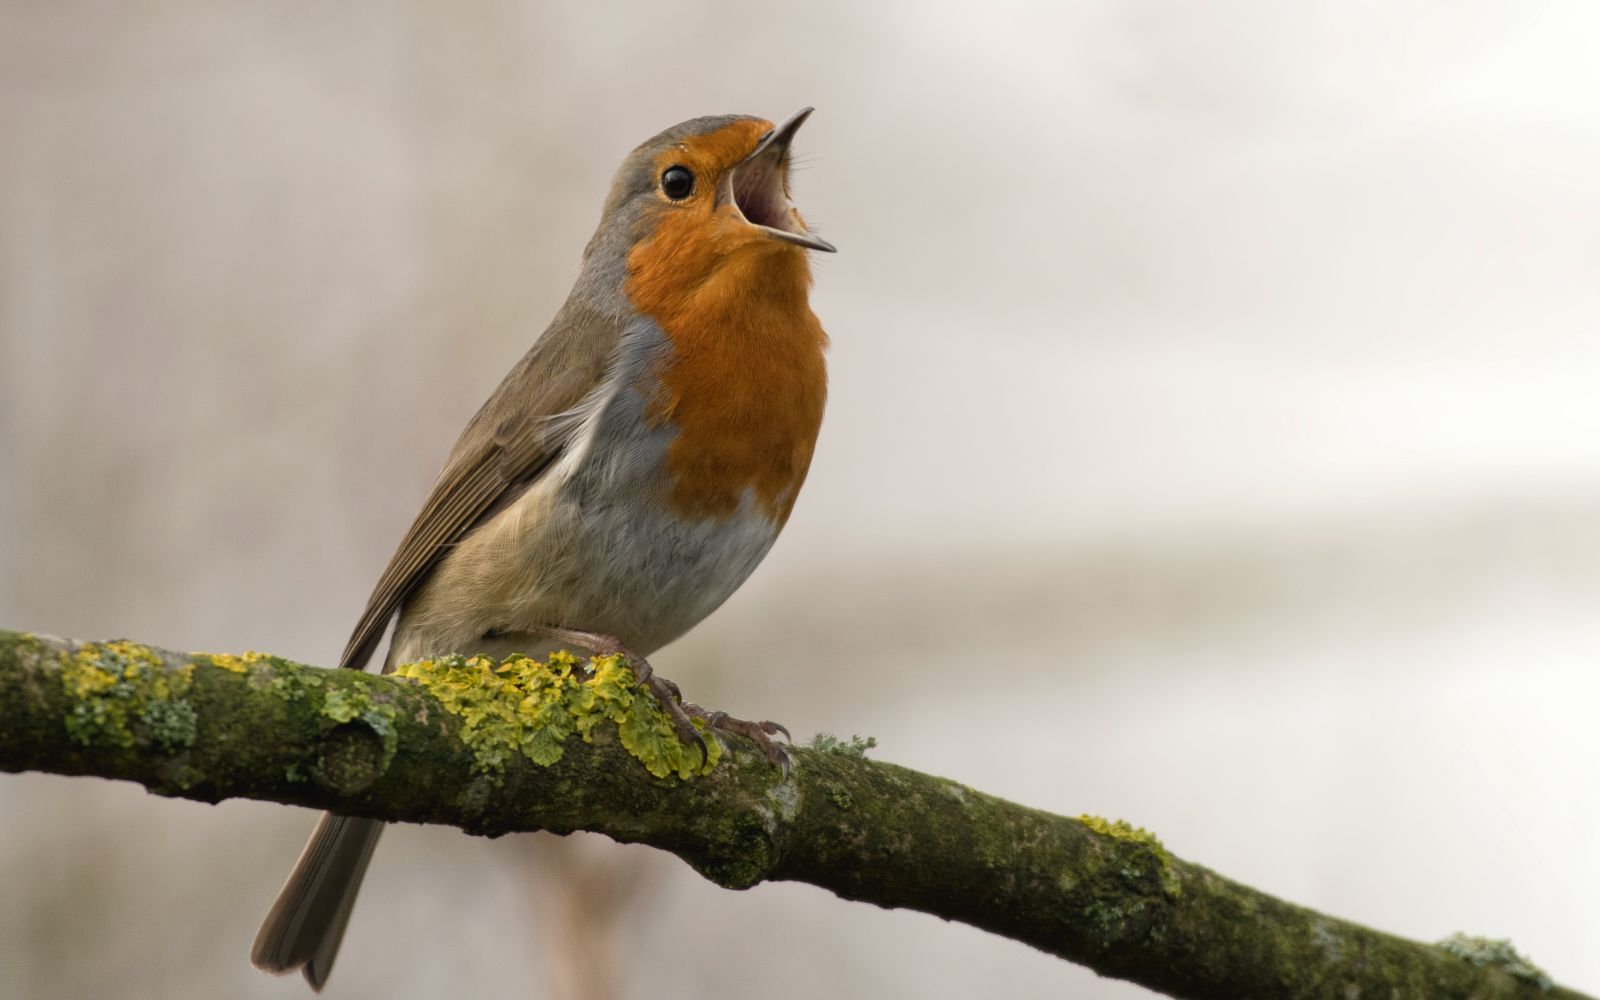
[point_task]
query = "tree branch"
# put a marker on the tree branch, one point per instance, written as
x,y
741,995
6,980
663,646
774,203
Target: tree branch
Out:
x,y
494,748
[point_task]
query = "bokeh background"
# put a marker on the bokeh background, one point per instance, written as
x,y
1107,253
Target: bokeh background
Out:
x,y
1214,443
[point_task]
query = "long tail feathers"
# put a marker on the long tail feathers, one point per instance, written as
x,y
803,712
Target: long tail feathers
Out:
x,y
307,922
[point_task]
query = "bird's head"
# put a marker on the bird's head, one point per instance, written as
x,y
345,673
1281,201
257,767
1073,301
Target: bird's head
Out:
x,y
705,198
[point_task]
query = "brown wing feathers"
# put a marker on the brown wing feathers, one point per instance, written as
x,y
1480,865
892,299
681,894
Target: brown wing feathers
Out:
x,y
453,505
511,441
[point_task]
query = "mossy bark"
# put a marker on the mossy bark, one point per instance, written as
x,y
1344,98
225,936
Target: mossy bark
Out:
x,y
1102,894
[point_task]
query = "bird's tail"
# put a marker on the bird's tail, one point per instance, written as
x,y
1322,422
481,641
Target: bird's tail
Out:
x,y
307,922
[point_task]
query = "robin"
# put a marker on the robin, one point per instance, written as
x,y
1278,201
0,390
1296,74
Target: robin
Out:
x,y
627,475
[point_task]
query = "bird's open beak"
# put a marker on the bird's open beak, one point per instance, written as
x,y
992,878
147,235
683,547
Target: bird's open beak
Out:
x,y
759,187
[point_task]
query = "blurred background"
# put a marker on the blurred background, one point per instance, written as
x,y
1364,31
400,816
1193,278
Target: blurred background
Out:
x,y
1214,444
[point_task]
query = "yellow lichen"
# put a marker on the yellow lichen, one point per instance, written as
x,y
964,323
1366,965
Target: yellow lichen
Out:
x,y
527,706
1120,829
1124,831
239,664
122,693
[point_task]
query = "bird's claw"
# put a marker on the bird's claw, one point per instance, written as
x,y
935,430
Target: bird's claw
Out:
x,y
760,733
684,713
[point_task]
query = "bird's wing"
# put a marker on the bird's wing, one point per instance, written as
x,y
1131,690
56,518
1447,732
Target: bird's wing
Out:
x,y
519,433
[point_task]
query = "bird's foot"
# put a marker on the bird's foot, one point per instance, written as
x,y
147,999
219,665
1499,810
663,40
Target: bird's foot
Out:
x,y
671,700
645,675
667,694
761,733
665,691
680,712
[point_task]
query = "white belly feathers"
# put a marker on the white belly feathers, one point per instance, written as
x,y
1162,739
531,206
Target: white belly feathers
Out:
x,y
567,553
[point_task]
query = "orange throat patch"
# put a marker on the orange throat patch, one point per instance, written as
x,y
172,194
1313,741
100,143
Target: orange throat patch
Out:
x,y
745,382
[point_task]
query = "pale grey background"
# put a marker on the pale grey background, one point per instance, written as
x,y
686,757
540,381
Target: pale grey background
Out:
x,y
1214,443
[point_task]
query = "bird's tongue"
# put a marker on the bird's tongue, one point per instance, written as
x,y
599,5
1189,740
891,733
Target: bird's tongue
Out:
x,y
758,191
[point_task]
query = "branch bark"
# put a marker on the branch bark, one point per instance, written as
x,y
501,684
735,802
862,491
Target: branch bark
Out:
x,y
1102,894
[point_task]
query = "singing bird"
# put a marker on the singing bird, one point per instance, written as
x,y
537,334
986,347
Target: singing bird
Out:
x,y
625,477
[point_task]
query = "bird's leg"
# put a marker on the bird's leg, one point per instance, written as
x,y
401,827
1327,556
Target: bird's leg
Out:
x,y
665,691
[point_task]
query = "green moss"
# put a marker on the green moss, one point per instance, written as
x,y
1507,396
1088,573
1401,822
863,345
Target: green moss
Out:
x,y
741,849
352,701
840,796
855,746
293,683
123,695
344,704
172,724
524,706
1482,951
1147,845
1112,917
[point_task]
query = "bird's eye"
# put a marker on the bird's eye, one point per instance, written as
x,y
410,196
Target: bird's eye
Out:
x,y
677,183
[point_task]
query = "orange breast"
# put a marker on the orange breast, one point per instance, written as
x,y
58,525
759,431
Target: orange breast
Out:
x,y
746,382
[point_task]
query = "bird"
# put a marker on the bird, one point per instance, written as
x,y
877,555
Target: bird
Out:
x,y
626,476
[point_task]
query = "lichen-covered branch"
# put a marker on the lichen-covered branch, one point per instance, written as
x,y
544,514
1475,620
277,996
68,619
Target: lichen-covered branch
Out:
x,y
523,745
